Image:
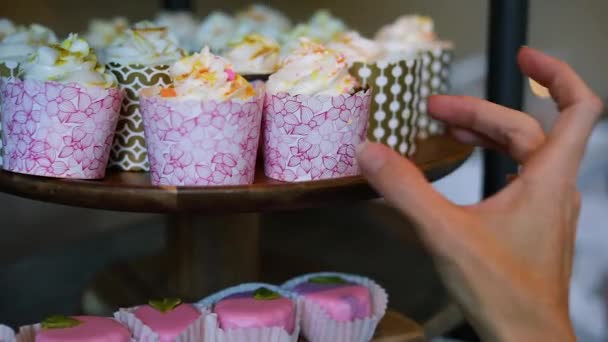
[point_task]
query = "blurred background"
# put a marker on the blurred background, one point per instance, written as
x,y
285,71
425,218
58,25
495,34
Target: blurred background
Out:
x,y
44,269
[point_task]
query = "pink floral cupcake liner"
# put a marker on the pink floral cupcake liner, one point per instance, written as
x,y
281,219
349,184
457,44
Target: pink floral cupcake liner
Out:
x,y
58,130
313,137
201,143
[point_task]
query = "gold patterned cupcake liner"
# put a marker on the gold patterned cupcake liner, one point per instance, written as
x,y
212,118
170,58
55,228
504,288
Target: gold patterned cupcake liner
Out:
x,y
129,152
395,102
435,79
7,70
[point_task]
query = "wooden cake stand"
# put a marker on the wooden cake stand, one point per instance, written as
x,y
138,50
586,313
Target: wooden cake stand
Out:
x,y
213,232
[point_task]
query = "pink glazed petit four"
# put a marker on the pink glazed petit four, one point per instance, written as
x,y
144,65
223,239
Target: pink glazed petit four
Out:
x,y
82,329
262,308
342,301
168,318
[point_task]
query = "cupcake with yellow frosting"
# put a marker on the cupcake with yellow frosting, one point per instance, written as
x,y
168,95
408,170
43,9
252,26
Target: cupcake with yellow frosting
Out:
x,y
59,117
314,116
255,56
139,58
204,129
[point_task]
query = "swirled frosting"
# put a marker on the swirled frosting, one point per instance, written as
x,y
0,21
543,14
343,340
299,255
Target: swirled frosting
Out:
x,y
356,48
20,44
6,27
254,55
215,31
205,76
71,61
102,32
144,44
312,70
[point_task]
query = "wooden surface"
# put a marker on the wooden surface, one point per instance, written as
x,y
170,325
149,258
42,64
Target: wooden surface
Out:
x,y
124,191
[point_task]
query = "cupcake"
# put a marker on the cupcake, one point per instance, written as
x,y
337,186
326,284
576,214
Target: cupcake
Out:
x,y
6,334
182,24
215,31
139,58
314,117
75,328
255,57
261,19
6,27
59,118
164,320
339,307
15,49
252,312
204,130
322,27
17,46
356,48
102,32
414,36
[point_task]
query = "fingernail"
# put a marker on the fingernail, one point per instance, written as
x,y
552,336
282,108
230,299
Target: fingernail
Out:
x,y
371,157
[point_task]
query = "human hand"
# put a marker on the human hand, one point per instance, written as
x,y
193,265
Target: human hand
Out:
x,y
507,260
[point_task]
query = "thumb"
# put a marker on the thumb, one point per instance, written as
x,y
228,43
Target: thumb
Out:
x,y
403,185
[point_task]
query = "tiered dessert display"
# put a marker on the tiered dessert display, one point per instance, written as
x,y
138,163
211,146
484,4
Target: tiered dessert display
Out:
x,y
230,114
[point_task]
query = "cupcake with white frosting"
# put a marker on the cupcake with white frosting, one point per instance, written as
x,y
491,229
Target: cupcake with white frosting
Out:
x,y
60,116
255,56
102,32
6,334
139,58
321,27
16,47
314,116
204,129
356,48
263,20
414,36
6,27
181,24
408,36
215,31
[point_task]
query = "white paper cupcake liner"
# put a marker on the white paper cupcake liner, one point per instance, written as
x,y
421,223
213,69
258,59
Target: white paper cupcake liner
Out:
x,y
317,326
6,334
143,333
213,332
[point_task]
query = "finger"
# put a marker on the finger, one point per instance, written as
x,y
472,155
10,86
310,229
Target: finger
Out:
x,y
470,137
402,184
565,86
518,133
580,110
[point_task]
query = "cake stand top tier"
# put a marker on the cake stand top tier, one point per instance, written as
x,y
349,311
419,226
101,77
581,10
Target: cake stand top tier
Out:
x,y
132,192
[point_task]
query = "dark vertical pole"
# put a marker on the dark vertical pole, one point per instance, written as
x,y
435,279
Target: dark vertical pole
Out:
x,y
177,5
508,32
